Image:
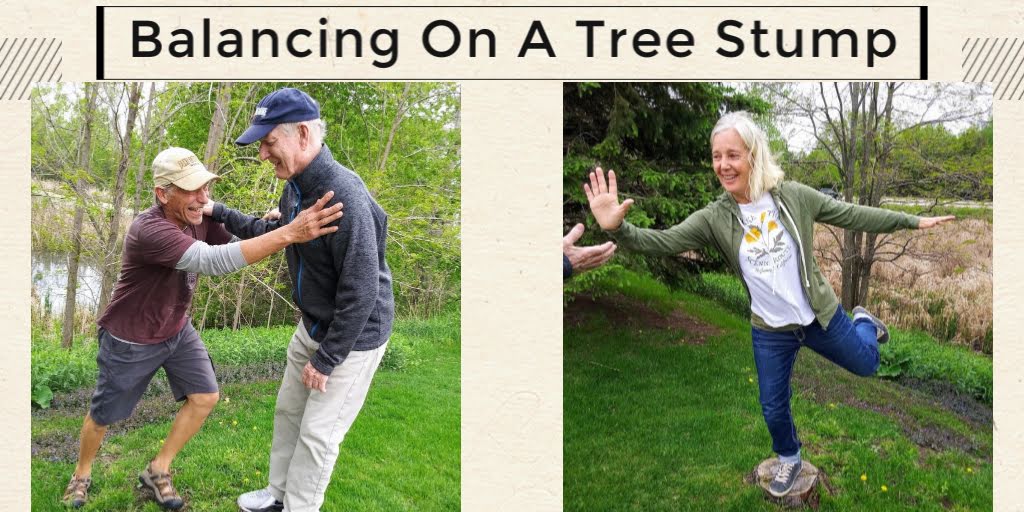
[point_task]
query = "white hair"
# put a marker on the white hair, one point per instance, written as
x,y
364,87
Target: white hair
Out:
x,y
765,173
317,129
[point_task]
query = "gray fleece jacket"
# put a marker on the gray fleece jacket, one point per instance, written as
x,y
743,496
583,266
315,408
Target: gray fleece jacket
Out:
x,y
340,281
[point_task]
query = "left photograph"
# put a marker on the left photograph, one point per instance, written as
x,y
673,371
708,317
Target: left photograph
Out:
x,y
245,296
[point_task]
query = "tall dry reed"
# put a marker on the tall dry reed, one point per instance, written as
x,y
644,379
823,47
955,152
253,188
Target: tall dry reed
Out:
x,y
942,284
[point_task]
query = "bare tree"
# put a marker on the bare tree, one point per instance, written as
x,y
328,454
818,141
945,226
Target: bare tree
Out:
x,y
858,126
400,112
146,131
111,253
218,123
84,153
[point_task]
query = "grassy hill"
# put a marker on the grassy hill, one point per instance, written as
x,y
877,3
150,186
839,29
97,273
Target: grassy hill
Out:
x,y
661,412
403,453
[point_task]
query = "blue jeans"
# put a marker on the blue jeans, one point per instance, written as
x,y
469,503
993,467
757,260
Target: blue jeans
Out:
x,y
853,346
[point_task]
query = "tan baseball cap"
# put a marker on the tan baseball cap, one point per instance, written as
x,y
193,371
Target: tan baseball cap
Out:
x,y
182,168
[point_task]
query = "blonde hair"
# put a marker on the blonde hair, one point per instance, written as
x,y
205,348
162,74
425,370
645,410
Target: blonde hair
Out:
x,y
765,173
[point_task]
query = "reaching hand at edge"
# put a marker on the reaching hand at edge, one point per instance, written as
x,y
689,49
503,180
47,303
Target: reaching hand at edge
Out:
x,y
585,258
931,222
273,214
603,197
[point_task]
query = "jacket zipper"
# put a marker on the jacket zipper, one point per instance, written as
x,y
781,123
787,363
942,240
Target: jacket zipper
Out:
x,y
295,213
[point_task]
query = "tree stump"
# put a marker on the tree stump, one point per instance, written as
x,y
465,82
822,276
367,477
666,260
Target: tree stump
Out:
x,y
805,491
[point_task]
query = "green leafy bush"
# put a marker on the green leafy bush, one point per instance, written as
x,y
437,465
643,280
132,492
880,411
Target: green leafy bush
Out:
x,y
725,289
55,369
399,354
918,355
247,346
412,333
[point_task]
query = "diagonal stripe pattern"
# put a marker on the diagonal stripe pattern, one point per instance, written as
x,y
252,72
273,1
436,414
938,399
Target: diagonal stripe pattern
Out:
x,y
996,60
24,61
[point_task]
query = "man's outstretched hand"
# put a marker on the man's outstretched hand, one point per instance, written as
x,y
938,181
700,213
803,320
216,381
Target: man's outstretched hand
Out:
x,y
585,258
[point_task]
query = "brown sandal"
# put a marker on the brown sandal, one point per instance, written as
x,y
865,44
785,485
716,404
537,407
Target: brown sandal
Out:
x,y
77,492
162,487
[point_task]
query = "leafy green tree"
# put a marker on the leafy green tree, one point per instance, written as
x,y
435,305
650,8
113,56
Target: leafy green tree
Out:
x,y
401,138
932,162
656,136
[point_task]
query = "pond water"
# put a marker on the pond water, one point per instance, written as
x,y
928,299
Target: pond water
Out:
x,y
50,282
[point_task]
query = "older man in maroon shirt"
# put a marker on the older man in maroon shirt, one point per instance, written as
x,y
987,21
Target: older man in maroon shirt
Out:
x,y
146,325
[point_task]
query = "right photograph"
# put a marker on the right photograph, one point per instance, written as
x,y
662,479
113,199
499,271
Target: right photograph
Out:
x,y
777,295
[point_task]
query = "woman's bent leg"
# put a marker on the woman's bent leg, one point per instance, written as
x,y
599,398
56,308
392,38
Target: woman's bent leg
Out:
x,y
854,346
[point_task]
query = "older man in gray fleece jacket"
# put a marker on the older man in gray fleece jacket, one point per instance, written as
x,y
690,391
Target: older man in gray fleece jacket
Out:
x,y
342,285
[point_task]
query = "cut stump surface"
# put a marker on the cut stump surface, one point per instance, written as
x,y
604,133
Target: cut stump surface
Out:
x,y
805,491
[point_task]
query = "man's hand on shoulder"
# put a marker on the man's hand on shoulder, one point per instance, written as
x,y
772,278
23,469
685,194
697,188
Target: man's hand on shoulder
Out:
x,y
315,221
208,208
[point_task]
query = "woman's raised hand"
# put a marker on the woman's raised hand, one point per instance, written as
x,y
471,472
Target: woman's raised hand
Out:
x,y
604,199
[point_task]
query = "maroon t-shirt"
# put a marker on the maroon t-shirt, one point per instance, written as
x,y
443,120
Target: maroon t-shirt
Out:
x,y
151,299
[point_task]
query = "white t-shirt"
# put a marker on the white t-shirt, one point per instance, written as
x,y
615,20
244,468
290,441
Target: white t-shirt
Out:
x,y
770,262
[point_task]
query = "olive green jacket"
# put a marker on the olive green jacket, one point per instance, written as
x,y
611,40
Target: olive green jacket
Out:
x,y
718,225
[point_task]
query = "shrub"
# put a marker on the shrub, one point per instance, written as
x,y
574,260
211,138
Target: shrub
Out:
x,y
399,354
55,369
725,289
247,346
916,354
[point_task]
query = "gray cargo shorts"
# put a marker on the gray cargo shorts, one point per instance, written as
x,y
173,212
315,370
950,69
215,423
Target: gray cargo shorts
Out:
x,y
125,370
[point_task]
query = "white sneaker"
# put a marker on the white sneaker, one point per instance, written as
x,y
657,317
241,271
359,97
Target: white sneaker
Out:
x,y
259,501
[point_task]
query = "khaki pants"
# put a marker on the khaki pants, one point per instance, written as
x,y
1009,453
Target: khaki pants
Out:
x,y
309,425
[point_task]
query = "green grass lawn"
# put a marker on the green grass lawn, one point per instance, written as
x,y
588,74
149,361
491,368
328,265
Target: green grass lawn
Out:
x,y
664,416
403,453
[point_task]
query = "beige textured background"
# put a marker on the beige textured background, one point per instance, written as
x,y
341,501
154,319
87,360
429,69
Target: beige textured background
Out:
x,y
512,382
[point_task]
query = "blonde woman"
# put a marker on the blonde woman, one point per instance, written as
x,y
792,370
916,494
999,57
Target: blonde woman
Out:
x,y
764,227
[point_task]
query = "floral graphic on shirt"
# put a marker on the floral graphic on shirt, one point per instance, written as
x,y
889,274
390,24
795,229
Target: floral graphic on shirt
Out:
x,y
766,247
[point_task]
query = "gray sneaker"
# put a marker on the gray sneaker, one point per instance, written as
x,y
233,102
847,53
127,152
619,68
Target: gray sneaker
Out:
x,y
259,501
784,479
883,331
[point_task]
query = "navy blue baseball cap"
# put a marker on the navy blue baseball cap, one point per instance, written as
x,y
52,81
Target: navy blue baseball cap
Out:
x,y
286,105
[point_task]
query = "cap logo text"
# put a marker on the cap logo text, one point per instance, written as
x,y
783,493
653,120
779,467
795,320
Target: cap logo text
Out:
x,y
187,161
